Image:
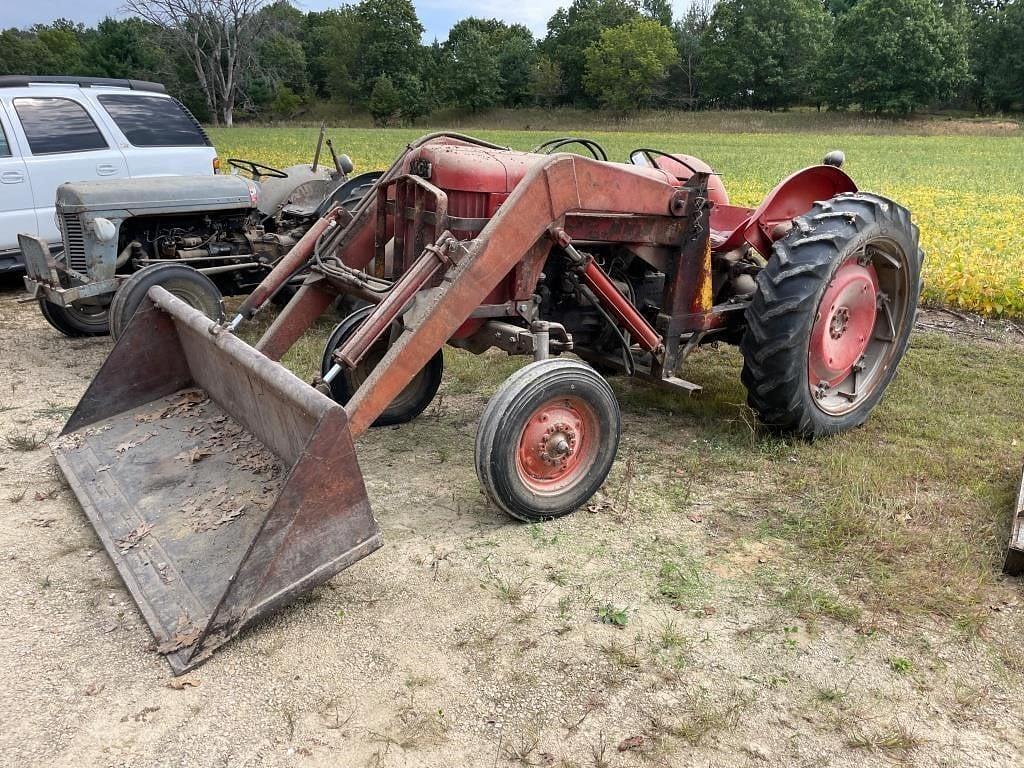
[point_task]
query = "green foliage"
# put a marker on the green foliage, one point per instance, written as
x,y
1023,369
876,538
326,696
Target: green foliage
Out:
x,y
896,56
572,30
612,614
764,53
626,62
997,56
385,101
388,34
286,102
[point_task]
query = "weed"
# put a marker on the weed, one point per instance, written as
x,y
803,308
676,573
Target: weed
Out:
x,y
413,729
612,614
507,590
25,441
808,601
54,410
682,583
521,749
621,656
896,738
900,665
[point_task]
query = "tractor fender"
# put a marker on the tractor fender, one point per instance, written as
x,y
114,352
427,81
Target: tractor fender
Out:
x,y
791,197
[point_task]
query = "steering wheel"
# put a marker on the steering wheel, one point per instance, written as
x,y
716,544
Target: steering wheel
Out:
x,y
552,146
256,170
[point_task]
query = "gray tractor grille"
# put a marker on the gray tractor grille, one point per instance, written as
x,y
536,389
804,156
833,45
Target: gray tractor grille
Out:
x,y
74,241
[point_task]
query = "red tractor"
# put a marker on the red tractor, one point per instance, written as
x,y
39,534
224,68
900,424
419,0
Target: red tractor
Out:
x,y
628,266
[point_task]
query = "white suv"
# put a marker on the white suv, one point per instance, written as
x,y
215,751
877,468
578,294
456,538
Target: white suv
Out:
x,y
59,129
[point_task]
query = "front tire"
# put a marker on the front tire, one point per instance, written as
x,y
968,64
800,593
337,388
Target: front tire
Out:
x,y
832,315
409,403
547,439
77,321
181,281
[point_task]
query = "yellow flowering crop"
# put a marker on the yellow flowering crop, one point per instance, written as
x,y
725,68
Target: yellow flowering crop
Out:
x,y
966,192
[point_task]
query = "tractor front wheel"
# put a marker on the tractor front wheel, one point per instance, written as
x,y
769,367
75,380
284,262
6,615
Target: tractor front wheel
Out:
x,y
547,439
77,320
410,402
832,315
180,280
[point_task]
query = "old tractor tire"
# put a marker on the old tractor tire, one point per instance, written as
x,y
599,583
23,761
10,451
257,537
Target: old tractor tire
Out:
x,y
832,315
77,322
547,439
181,281
411,401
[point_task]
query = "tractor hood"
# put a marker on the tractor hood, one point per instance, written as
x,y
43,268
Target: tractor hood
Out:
x,y
158,195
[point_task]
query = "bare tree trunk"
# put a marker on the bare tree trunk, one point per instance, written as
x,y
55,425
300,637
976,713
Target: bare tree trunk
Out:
x,y
217,36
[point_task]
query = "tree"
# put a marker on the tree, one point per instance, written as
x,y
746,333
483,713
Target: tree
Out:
x,y
217,36
897,56
572,30
997,60
659,10
546,83
689,37
624,65
764,53
127,48
388,41
385,100
514,51
474,76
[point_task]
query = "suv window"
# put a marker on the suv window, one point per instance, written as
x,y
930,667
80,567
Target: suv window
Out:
x,y
5,148
57,125
152,121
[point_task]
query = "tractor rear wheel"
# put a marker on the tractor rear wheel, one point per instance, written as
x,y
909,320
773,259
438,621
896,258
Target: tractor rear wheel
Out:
x,y
76,321
832,315
181,281
547,439
410,402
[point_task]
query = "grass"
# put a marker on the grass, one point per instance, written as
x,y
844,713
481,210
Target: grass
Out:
x,y
960,187
25,441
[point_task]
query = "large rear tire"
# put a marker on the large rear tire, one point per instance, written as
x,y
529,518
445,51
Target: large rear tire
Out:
x,y
187,284
411,401
77,321
547,439
832,315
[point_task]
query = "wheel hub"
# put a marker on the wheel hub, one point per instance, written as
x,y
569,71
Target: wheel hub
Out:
x,y
553,445
843,325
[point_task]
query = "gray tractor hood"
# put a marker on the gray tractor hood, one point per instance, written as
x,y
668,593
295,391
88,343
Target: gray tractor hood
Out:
x,y
158,195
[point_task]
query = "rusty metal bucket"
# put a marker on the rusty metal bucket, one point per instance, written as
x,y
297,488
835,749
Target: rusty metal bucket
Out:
x,y
221,485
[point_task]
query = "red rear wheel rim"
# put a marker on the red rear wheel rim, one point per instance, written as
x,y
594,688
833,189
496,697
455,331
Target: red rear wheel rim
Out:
x,y
843,325
558,445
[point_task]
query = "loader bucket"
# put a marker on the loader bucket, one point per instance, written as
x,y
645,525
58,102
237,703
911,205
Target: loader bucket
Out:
x,y
221,485
1015,554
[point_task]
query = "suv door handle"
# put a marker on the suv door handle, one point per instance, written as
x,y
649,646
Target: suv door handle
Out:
x,y
106,169
12,177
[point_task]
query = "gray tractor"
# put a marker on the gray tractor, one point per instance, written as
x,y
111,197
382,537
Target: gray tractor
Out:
x,y
200,237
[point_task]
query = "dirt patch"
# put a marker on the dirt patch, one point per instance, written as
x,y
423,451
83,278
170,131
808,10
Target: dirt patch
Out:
x,y
642,633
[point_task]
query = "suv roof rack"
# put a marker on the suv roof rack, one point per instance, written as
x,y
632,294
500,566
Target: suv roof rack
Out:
x,y
18,81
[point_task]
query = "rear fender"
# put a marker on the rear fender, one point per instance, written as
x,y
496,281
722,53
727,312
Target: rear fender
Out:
x,y
792,197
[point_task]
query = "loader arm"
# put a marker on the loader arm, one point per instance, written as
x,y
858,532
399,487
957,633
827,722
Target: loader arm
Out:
x,y
552,188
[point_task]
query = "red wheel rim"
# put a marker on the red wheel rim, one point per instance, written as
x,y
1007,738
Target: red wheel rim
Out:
x,y
558,445
843,326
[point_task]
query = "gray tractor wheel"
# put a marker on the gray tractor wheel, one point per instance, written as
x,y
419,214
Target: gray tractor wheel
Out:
x,y
77,321
187,284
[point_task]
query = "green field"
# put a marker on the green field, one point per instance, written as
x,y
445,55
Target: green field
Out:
x,y
966,191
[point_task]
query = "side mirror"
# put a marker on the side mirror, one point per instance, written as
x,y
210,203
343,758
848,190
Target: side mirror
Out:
x,y
835,158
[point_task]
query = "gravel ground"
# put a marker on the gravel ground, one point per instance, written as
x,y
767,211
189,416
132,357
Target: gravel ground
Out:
x,y
468,640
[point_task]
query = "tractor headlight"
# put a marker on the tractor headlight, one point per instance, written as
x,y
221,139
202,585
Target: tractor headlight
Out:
x,y
104,229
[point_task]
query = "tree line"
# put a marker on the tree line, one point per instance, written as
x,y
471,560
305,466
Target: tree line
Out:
x,y
271,60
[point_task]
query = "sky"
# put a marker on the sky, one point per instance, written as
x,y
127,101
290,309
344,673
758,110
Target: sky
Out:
x,y
436,15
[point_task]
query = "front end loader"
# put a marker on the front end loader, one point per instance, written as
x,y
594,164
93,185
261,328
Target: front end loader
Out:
x,y
222,486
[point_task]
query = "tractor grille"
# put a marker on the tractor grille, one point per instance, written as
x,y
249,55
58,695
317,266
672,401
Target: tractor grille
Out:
x,y
467,205
74,242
